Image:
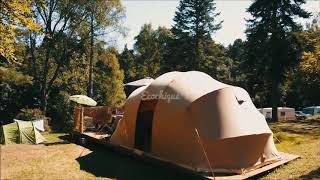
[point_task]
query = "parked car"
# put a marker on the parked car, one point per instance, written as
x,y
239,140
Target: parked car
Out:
x,y
301,116
312,110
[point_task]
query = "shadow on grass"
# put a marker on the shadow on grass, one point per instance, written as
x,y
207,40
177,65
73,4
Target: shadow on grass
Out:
x,y
56,143
102,162
315,174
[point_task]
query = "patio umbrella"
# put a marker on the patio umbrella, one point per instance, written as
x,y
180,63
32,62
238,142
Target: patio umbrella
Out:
x,y
83,99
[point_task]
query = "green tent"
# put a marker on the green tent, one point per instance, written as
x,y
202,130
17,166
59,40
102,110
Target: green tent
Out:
x,y
20,132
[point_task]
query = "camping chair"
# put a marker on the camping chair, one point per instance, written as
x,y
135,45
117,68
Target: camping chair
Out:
x,y
109,128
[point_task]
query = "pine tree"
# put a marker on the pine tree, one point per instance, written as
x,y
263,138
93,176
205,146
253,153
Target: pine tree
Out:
x,y
127,64
272,45
195,21
235,52
148,52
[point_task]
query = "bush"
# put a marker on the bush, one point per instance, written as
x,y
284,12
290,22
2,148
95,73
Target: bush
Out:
x,y
14,85
30,114
60,109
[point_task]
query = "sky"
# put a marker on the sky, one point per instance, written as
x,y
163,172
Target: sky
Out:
x,y
161,13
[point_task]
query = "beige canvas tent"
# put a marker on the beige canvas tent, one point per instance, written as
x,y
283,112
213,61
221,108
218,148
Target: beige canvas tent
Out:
x,y
192,120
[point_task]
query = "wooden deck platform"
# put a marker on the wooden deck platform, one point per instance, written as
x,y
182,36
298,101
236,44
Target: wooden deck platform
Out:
x,y
285,159
140,155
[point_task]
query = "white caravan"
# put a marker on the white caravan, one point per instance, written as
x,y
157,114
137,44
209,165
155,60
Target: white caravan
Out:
x,y
284,113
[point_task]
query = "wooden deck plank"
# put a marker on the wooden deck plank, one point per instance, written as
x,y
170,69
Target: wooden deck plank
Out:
x,y
285,159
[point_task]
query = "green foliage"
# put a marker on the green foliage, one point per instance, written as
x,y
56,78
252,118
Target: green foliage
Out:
x,y
191,46
128,64
101,17
195,19
194,24
108,80
236,54
302,83
53,64
104,16
149,48
214,61
72,81
147,59
14,86
14,14
13,77
74,77
67,27
60,109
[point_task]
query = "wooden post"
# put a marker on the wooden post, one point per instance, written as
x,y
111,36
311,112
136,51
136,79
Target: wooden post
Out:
x,y
81,121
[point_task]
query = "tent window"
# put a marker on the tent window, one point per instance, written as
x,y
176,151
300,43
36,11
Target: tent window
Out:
x,y
282,113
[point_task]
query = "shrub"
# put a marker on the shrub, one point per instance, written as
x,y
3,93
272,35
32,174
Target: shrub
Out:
x,y
60,109
30,114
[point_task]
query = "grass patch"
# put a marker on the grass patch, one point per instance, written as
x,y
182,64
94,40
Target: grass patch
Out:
x,y
54,160
54,137
301,138
285,140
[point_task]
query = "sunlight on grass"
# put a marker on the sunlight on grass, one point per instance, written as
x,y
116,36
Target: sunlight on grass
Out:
x,y
285,141
53,137
301,138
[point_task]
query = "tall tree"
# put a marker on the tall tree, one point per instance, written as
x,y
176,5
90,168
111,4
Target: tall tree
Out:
x,y
55,45
195,21
149,48
103,17
272,44
66,30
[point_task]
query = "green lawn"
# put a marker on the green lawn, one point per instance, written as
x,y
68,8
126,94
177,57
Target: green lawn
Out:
x,y
301,138
60,159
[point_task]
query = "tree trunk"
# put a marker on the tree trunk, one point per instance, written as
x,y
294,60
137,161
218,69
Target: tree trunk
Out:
x,y
275,99
43,90
90,85
44,101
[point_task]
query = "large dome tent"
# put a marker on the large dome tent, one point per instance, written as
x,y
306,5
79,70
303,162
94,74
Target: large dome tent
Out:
x,y
190,119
